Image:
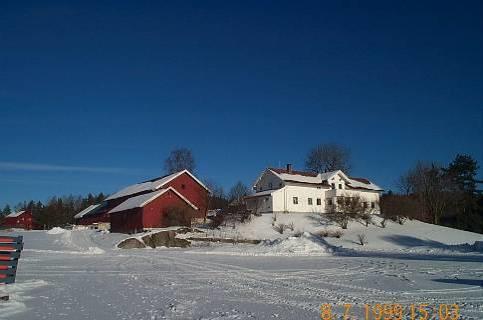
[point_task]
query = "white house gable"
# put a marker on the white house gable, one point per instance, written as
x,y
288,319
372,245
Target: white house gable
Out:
x,y
268,181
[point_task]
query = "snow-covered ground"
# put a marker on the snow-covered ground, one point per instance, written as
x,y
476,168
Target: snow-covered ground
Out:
x,y
81,275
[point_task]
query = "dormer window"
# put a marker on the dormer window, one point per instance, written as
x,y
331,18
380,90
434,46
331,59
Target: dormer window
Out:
x,y
340,186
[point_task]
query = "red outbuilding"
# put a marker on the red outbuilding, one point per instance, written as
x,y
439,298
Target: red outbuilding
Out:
x,y
152,210
190,193
20,220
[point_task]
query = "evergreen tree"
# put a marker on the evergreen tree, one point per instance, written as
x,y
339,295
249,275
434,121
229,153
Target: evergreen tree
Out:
x,y
6,210
465,212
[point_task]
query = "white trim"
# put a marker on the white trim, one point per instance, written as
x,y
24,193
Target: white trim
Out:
x,y
182,197
86,211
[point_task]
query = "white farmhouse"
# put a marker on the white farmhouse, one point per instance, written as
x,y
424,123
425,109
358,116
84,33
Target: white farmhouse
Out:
x,y
287,190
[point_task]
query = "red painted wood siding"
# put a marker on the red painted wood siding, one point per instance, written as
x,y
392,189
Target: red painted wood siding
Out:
x,y
127,221
154,213
23,221
192,191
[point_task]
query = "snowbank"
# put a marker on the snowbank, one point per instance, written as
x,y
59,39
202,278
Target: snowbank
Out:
x,y
306,244
56,230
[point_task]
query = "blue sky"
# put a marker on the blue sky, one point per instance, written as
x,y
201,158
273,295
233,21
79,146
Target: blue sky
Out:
x,y
94,95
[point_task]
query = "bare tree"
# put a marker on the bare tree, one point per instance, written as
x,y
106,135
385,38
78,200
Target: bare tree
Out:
x,y
430,184
178,160
404,183
328,157
216,199
238,192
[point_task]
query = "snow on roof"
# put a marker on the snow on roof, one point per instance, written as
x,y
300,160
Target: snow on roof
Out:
x,y
86,211
151,185
142,200
321,178
363,185
297,176
262,193
15,214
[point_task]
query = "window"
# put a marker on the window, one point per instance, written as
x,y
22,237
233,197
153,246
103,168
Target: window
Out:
x,y
340,186
270,185
373,205
333,185
340,200
310,201
329,202
365,205
319,202
295,200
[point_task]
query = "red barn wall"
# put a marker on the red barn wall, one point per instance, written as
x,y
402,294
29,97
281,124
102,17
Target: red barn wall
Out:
x,y
23,221
154,213
127,221
191,190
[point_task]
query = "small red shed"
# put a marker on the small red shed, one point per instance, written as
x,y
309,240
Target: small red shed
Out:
x,y
149,210
21,220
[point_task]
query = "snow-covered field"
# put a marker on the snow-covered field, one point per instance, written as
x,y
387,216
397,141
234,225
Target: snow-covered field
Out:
x,y
81,275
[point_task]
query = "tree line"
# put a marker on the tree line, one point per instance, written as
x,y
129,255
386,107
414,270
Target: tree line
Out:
x,y
444,195
56,211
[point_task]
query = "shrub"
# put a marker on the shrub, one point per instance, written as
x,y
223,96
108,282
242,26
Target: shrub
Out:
x,y
280,228
367,218
361,239
383,223
401,220
330,234
298,234
177,216
339,218
338,233
290,226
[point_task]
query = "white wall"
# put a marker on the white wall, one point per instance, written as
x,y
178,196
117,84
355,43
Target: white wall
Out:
x,y
268,179
283,201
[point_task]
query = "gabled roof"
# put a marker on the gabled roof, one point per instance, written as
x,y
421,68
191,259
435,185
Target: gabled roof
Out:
x,y
143,199
297,176
293,172
86,211
15,214
152,185
320,178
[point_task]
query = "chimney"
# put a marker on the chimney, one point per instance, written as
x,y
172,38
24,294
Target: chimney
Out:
x,y
289,168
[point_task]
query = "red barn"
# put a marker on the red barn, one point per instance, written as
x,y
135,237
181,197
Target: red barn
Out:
x,y
21,220
183,182
150,210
